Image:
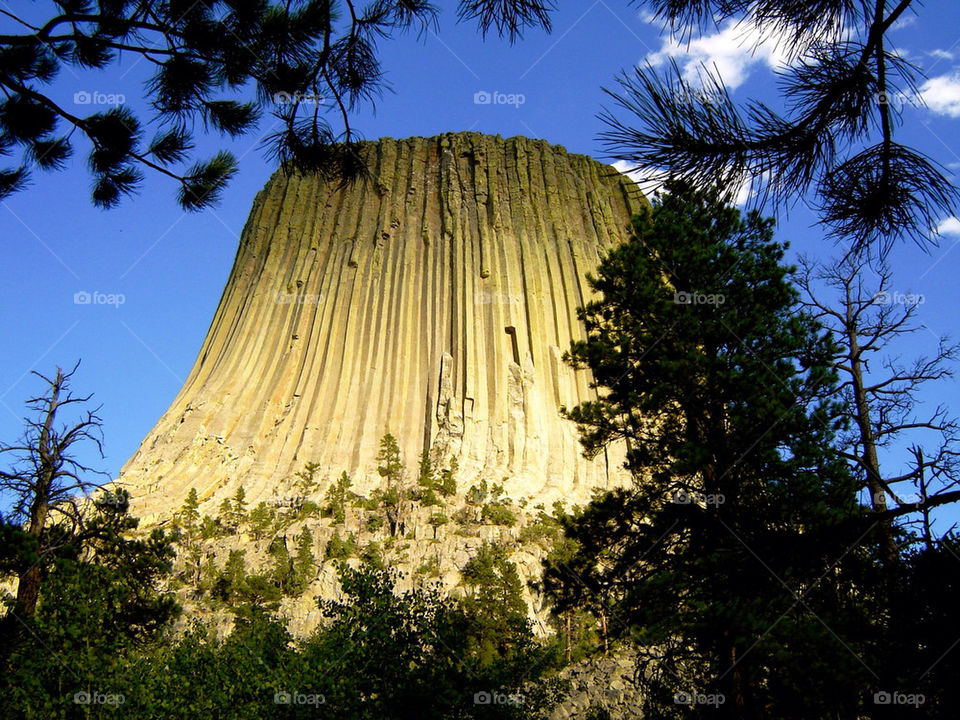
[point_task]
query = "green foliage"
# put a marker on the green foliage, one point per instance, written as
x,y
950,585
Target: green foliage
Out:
x,y
233,511
99,602
430,567
307,509
304,563
429,484
544,530
448,479
238,507
211,528
372,556
306,478
281,564
390,466
336,500
828,139
375,522
498,513
426,471
261,519
493,603
416,640
478,494
217,65
379,655
188,519
719,384
341,548
437,519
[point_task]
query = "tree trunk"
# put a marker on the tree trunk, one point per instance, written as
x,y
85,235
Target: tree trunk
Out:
x,y
871,463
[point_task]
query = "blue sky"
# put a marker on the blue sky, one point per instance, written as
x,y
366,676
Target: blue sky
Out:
x,y
170,267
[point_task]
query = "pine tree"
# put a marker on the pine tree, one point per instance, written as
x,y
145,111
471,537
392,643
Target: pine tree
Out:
x,y
390,468
238,507
304,562
261,519
448,479
281,568
840,88
188,519
493,603
217,64
737,554
337,495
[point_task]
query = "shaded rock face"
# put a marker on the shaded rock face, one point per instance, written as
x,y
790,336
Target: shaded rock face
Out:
x,y
433,301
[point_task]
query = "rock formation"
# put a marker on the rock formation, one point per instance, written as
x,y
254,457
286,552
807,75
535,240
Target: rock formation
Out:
x,y
433,300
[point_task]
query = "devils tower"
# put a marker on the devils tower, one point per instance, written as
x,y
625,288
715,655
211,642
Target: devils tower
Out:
x,y
432,299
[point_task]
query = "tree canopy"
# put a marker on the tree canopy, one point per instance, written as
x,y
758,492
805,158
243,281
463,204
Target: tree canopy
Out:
x,y
833,144
219,64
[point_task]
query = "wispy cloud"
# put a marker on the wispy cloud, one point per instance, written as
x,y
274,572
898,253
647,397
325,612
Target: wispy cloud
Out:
x,y
950,226
942,94
733,52
651,180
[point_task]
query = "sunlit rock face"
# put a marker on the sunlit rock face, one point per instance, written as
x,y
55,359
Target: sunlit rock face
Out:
x,y
433,300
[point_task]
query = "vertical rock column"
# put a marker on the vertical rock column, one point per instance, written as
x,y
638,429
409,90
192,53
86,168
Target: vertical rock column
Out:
x,y
433,300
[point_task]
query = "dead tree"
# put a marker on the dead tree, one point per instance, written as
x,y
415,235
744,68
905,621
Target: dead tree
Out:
x,y
45,480
858,305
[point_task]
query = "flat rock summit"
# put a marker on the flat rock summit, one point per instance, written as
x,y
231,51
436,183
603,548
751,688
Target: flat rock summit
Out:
x,y
432,299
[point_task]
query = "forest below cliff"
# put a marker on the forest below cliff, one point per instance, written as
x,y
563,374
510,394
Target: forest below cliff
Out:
x,y
764,563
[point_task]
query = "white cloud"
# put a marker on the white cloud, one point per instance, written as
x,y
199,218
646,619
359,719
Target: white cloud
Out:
x,y
950,226
732,52
942,94
941,54
650,181
904,22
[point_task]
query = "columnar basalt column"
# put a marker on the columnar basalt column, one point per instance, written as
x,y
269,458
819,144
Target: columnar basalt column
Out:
x,y
433,300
